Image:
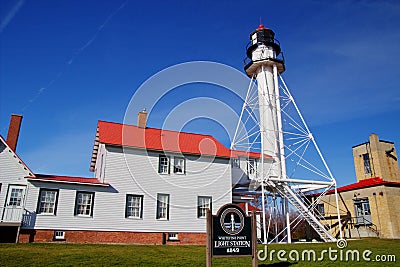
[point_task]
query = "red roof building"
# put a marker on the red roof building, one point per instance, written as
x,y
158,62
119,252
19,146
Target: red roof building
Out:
x,y
111,133
149,185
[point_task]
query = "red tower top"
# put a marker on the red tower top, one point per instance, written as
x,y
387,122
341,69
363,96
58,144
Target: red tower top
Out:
x,y
263,47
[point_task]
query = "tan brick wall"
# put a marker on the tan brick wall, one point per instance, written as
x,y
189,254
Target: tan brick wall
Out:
x,y
111,237
382,165
383,201
393,199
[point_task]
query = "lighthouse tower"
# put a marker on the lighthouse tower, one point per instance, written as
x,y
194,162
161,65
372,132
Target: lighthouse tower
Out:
x,y
285,180
264,65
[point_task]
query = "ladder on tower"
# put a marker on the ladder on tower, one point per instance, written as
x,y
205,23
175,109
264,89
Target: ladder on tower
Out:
x,y
286,192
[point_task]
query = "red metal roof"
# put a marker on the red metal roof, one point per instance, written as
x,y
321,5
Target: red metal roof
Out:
x,y
165,140
364,184
67,179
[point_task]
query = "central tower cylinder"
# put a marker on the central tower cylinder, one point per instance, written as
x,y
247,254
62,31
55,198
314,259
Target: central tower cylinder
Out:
x,y
264,64
268,121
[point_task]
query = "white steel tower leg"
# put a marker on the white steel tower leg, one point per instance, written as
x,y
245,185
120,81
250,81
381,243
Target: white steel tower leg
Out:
x,y
263,212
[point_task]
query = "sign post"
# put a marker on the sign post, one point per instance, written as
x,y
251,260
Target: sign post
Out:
x,y
209,238
231,233
254,239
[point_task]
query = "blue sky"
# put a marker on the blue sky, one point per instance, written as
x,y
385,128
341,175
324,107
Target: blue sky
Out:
x,y
66,64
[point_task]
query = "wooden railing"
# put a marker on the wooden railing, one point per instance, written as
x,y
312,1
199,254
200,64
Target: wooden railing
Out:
x,y
11,214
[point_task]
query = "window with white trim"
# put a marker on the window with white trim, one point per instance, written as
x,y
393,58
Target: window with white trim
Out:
x,y
16,197
203,203
163,164
179,165
84,203
47,203
173,236
59,235
162,206
134,206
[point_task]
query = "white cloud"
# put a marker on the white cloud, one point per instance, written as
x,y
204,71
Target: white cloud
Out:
x,y
10,15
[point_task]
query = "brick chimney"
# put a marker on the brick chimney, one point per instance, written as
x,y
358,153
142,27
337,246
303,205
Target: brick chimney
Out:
x,y
142,118
13,131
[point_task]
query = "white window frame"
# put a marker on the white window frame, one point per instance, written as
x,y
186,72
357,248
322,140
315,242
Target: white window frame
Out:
x,y
134,206
16,196
59,235
162,206
173,236
203,203
366,208
164,167
179,165
82,201
46,202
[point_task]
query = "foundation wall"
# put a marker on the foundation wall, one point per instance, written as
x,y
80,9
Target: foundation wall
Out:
x,y
98,237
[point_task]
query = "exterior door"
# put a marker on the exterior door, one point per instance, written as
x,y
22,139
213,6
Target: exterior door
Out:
x,y
362,211
13,208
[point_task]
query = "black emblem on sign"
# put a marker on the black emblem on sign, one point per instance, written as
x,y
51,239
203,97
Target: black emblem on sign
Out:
x,y
232,221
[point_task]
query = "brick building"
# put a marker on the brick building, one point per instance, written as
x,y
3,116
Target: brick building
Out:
x,y
369,207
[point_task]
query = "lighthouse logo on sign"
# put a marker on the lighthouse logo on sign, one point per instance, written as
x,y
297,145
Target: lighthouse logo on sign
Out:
x,y
232,221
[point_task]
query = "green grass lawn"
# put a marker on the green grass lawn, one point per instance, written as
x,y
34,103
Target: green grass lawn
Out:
x,y
137,255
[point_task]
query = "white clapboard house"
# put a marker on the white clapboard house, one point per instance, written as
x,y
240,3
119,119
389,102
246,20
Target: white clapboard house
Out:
x,y
151,186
